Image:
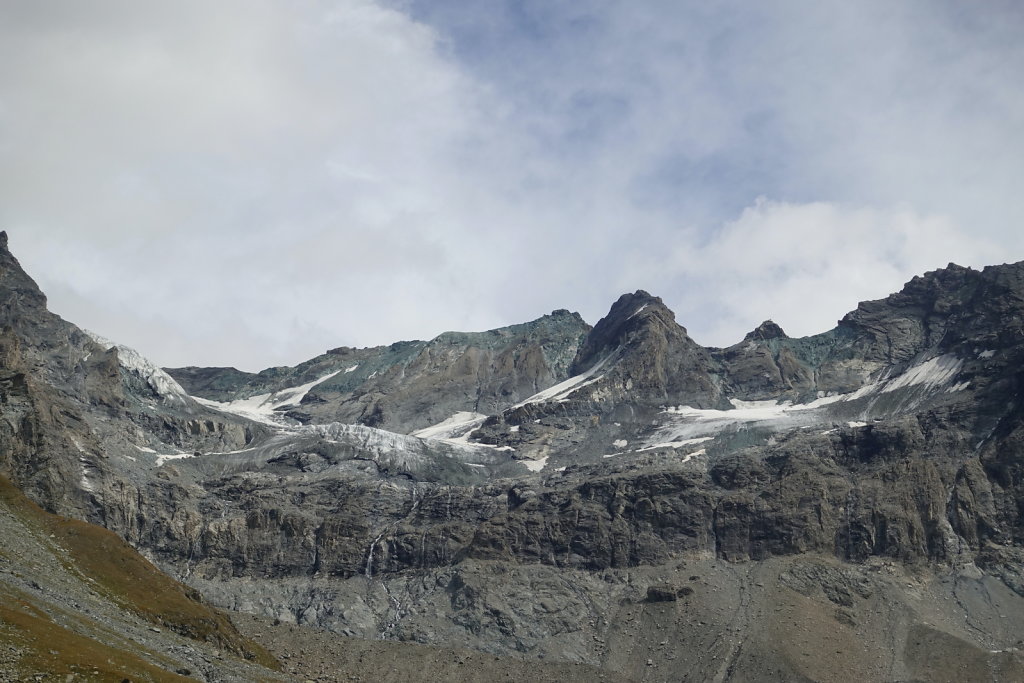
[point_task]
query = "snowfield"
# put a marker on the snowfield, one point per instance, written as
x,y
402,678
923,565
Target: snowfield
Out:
x,y
266,408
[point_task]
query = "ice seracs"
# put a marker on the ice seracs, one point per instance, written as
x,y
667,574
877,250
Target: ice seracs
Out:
x,y
162,384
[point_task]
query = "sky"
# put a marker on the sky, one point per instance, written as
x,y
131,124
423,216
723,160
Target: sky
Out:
x,y
252,182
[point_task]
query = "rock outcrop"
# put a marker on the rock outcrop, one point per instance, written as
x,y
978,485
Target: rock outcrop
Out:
x,y
411,385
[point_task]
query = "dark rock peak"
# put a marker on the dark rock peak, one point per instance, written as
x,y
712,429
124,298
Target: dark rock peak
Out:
x,y
20,290
922,291
629,317
640,305
765,331
943,280
939,311
916,299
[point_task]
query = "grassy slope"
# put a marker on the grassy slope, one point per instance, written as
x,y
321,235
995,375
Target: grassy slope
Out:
x,y
122,576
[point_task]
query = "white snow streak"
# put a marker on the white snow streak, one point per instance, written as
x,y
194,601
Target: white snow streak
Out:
x,y
456,428
264,407
562,390
637,312
938,370
675,444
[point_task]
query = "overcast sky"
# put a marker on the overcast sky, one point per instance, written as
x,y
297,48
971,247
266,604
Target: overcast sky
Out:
x,y
252,182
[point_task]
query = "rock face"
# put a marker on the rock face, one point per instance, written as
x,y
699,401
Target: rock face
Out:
x,y
412,385
656,359
588,468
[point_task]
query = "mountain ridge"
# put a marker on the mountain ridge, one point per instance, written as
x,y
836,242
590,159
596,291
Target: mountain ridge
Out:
x,y
598,472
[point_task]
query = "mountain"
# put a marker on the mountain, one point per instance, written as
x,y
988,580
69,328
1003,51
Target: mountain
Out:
x,y
408,385
837,507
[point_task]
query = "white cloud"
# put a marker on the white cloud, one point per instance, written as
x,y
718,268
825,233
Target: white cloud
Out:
x,y
805,265
250,182
227,169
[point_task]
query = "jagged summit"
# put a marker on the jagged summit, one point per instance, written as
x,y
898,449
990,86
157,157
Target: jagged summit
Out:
x,y
625,323
20,291
765,331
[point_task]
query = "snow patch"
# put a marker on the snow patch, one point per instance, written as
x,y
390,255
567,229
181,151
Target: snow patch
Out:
x,y
264,407
620,443
161,459
535,465
687,457
454,429
933,372
701,452
987,353
676,444
351,369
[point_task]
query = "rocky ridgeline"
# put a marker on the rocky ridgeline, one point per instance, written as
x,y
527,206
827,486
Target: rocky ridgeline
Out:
x,y
413,384
897,436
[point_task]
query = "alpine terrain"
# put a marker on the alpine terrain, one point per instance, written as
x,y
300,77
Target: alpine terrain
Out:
x,y
545,501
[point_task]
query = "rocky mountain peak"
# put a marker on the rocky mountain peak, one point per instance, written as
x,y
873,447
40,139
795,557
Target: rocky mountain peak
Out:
x,y
627,319
564,313
765,331
937,311
22,292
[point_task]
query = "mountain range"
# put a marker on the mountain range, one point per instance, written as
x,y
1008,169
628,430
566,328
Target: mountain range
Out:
x,y
549,501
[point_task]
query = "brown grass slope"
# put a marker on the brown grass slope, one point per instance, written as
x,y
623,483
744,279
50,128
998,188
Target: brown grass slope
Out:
x,y
72,631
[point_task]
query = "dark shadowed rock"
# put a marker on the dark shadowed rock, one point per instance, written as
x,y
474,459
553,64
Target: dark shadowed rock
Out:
x,y
765,331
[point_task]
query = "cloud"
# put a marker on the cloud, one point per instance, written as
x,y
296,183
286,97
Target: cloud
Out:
x,y
805,265
252,182
243,170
